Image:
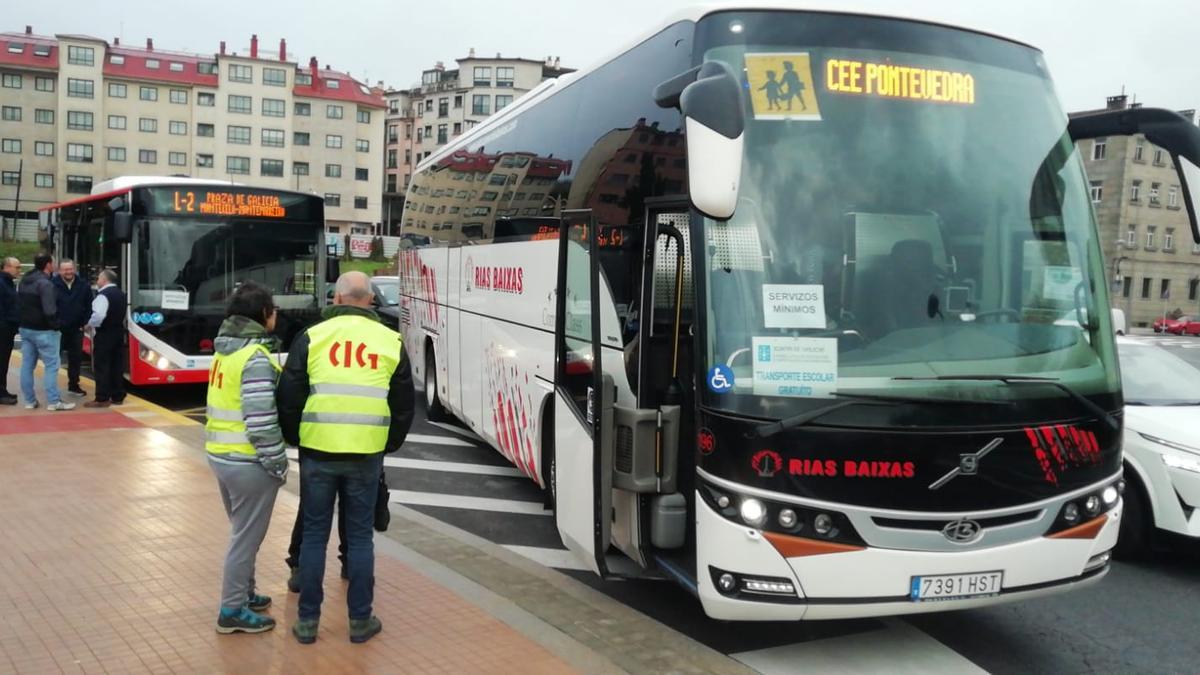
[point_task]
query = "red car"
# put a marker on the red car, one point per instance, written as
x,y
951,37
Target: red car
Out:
x,y
1167,325
1186,326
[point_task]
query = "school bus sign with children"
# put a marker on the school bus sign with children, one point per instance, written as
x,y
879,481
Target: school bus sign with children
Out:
x,y
781,87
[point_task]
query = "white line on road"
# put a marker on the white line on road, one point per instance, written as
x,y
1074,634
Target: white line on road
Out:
x,y
453,467
438,440
549,557
455,429
412,498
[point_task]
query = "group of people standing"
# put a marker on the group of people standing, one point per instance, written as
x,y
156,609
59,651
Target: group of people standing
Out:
x,y
345,399
52,308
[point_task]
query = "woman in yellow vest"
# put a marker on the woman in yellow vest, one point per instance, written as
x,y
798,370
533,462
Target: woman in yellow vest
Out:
x,y
245,448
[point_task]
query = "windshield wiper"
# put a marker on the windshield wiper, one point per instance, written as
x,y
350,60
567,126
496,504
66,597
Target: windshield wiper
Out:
x,y
772,428
1028,379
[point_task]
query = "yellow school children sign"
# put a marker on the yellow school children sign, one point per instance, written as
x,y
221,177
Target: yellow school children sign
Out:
x,y
781,87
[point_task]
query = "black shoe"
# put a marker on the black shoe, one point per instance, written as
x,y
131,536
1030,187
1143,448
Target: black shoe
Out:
x,y
345,574
294,580
77,390
8,399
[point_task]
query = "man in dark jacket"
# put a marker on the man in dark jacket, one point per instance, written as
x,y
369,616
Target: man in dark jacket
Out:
x,y
345,398
74,308
40,338
10,321
108,342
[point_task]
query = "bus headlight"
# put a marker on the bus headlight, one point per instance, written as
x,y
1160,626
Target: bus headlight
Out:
x,y
787,519
823,524
753,512
162,363
1109,495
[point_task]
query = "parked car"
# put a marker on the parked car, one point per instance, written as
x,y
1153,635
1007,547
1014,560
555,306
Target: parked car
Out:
x,y
1165,324
387,299
1186,326
1162,447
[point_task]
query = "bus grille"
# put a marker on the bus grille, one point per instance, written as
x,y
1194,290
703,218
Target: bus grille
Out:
x,y
623,462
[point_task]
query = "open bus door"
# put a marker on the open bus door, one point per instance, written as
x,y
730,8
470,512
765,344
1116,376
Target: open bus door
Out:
x,y
583,399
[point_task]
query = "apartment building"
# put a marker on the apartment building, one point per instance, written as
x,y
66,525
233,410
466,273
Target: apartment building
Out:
x,y
1144,231
76,110
446,104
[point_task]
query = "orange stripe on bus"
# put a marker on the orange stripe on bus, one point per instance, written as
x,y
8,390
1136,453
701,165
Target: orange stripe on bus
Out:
x,y
1087,530
796,547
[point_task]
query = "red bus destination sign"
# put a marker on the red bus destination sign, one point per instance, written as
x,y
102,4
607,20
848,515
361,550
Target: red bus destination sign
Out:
x,y
201,201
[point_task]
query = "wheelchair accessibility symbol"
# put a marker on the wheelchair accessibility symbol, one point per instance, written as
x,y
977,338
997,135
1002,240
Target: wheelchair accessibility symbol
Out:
x,y
720,379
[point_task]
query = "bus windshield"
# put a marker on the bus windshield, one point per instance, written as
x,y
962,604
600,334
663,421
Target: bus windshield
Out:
x,y
910,206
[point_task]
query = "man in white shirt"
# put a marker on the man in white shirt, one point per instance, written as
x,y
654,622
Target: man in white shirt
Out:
x,y
108,341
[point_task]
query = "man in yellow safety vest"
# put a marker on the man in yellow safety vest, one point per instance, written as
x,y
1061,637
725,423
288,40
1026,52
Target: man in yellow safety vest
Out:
x,y
345,398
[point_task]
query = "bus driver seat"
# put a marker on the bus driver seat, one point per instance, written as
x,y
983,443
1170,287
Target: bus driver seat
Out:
x,y
914,285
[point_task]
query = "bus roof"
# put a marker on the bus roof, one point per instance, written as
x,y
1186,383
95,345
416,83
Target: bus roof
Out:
x,y
693,14
123,184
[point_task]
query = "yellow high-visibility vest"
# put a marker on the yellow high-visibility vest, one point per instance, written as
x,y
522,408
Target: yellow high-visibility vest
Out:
x,y
225,428
351,360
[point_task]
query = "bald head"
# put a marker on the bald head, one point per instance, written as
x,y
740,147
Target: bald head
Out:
x,y
353,288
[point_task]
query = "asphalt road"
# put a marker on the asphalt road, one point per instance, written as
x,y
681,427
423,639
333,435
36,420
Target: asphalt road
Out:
x,y
1143,617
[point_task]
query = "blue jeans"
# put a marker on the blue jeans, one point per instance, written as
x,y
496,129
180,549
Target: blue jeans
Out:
x,y
355,483
41,344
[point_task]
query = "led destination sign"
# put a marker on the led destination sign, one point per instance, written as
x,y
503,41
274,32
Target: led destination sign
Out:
x,y
230,203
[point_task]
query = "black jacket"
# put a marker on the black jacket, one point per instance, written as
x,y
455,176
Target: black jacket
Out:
x,y
39,306
74,303
8,299
292,392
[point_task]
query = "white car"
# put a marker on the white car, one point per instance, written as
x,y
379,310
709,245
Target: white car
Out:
x,y
1162,446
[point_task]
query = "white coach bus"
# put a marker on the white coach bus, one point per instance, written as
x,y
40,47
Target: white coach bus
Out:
x,y
770,303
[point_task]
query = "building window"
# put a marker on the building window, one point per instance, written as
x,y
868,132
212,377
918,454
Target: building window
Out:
x,y
360,202
1126,286
1098,148
480,105
177,158
302,109
271,167
361,174
391,159
147,156
1150,236
43,180
333,112
333,141
79,152
10,113
1097,190
43,148
238,135
12,81
483,76
362,145
458,101
81,56
1146,287
1193,288
300,168
206,98
238,165
152,64
117,122
116,154
43,83
148,125
300,138
457,128
1154,194
1139,150
1164,289
1169,240
43,116
333,199
241,104
148,93
364,116
443,107
331,83
178,128
1131,236
1158,157
79,120
80,89
333,170
272,138
303,79
503,101
393,133
389,184
504,78
274,107
206,68
179,96
206,130
175,67
205,161
275,77
117,90
1135,191
9,178
79,184
240,73
442,132
1173,197
407,131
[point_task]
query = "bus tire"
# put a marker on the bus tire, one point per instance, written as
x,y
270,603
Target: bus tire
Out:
x,y
549,465
434,410
1136,539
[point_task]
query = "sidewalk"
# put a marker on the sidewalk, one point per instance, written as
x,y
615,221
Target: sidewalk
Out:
x,y
113,536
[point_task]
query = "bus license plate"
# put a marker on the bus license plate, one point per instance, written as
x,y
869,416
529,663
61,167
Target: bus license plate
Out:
x,y
955,586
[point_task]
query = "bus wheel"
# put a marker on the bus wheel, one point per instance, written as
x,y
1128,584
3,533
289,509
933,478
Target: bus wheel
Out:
x,y
1136,539
549,466
434,411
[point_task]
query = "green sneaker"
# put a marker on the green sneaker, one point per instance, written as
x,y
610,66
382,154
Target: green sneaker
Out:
x,y
294,580
305,630
362,630
258,602
243,621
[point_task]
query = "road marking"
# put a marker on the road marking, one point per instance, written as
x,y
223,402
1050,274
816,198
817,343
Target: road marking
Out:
x,y
455,429
557,558
412,498
900,648
453,467
438,440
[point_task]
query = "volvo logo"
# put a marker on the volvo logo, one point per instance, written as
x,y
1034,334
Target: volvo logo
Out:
x,y
968,464
962,531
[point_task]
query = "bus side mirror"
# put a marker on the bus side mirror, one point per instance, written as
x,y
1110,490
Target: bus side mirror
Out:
x,y
1168,130
333,269
122,227
710,98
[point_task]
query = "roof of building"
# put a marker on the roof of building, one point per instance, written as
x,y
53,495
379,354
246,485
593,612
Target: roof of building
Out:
x,y
27,57
172,66
336,85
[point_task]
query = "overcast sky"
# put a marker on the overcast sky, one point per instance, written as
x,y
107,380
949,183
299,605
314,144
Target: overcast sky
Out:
x,y
1093,47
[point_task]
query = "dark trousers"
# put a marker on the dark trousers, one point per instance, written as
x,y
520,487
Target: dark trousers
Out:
x,y
293,559
8,332
108,361
72,344
355,484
